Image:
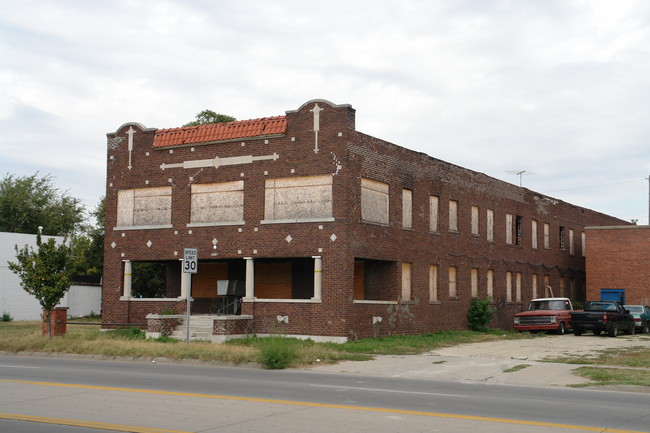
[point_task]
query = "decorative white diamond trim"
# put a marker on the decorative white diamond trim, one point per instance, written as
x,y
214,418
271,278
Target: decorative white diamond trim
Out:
x,y
288,239
214,241
333,237
149,244
113,244
114,143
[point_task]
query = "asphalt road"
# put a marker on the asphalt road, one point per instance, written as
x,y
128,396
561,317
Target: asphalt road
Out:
x,y
156,397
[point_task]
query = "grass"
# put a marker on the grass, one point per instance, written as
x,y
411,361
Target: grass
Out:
x,y
613,376
272,352
516,368
634,357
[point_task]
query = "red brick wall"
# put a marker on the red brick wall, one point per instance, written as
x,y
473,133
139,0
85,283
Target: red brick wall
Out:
x,y
348,156
619,258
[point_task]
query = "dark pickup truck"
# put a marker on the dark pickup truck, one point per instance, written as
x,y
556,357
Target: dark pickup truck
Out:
x,y
602,316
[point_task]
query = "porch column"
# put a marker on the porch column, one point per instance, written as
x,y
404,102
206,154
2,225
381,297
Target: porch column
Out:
x,y
250,279
318,278
186,279
128,278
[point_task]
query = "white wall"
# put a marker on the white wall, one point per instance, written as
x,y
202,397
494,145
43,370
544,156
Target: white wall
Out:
x,y
80,300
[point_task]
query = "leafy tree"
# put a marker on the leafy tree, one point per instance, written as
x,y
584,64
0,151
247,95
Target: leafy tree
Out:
x,y
32,201
88,247
45,274
208,116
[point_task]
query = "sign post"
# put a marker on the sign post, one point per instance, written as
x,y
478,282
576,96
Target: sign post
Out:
x,y
190,266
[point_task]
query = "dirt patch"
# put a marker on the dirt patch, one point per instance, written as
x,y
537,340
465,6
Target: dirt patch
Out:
x,y
547,346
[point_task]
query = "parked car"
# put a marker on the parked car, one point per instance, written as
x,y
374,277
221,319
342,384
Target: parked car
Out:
x,y
545,314
602,316
641,315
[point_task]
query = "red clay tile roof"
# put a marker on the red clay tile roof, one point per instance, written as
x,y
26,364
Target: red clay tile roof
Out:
x,y
220,131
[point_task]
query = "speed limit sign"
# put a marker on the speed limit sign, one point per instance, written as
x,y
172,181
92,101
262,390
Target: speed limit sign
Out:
x,y
190,264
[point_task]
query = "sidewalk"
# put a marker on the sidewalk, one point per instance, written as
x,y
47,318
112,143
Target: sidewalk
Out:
x,y
460,369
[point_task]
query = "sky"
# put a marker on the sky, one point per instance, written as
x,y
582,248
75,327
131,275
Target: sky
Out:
x,y
555,90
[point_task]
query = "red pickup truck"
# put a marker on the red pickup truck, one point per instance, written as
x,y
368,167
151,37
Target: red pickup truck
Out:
x,y
545,314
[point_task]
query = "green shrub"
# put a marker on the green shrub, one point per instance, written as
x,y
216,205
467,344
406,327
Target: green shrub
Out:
x,y
480,315
277,353
6,317
130,333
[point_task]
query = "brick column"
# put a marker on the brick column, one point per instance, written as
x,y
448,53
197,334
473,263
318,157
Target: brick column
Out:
x,y
58,319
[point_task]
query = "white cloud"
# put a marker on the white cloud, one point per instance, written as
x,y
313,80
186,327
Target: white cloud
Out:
x,y
556,88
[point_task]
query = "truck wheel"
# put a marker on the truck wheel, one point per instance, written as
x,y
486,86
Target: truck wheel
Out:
x,y
631,330
613,330
561,330
646,328
577,331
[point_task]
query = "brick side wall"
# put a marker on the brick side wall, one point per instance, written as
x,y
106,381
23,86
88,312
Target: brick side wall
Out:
x,y
347,155
619,258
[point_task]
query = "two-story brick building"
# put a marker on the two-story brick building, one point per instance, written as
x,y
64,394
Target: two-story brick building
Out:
x,y
305,226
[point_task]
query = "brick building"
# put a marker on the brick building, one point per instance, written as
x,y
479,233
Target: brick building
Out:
x,y
305,226
618,263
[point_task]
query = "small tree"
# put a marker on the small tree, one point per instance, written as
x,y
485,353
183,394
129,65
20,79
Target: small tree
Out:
x,y
45,274
480,315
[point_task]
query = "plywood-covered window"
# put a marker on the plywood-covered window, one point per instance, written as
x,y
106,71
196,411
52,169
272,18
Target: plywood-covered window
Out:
x,y
474,282
533,229
217,203
547,236
490,225
509,218
144,207
434,203
475,225
374,201
433,283
407,208
490,283
508,286
534,284
571,247
297,199
518,286
453,290
453,216
406,281
582,243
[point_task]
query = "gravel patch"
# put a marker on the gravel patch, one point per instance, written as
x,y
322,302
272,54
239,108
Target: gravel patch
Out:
x,y
547,346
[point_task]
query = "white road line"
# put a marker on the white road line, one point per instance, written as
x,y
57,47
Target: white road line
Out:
x,y
18,366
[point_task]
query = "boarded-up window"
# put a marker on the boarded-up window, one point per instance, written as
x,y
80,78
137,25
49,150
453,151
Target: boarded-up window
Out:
x,y
490,225
407,208
490,283
433,283
273,280
533,227
548,290
218,203
374,201
144,207
475,220
474,277
547,236
508,229
582,239
453,291
518,287
534,286
204,282
453,216
571,247
406,281
508,286
433,213
298,198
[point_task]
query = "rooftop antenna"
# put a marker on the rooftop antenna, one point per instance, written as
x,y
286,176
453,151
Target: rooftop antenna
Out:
x,y
519,173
